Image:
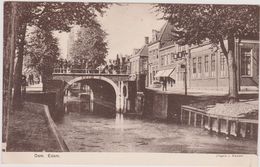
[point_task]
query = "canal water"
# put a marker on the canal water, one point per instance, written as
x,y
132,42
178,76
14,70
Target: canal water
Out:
x,y
85,131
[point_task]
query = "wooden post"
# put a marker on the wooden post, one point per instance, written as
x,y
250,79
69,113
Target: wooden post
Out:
x,y
195,119
219,125
202,121
181,115
251,130
209,124
228,127
237,129
189,118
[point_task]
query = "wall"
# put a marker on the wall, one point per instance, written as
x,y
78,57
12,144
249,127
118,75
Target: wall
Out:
x,y
47,98
57,87
156,105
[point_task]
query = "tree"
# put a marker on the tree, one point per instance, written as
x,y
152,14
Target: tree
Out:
x,y
10,27
41,53
49,16
197,23
90,48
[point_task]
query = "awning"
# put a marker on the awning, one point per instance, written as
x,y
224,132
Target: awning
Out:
x,y
164,73
167,73
159,74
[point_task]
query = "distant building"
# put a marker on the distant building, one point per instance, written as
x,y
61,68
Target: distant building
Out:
x,y
153,57
137,66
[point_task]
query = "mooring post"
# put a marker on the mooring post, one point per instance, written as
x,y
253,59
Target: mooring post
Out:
x,y
251,130
209,123
238,129
195,119
219,125
181,115
189,118
202,121
228,127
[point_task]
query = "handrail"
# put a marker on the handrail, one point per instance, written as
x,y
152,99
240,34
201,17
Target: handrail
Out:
x,y
199,111
79,71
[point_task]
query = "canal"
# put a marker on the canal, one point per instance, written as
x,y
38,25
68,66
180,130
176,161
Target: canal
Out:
x,y
85,131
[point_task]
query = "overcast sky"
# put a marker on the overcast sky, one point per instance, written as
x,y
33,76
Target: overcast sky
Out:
x,y
126,25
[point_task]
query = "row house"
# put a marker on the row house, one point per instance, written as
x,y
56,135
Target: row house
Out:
x,y
209,69
137,66
153,57
205,64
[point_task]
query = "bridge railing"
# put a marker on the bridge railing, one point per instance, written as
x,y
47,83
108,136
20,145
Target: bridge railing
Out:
x,y
68,70
83,71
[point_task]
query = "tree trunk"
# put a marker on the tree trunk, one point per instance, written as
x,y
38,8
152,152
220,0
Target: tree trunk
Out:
x,y
233,89
9,54
17,99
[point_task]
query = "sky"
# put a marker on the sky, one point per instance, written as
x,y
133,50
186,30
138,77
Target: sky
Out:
x,y
126,25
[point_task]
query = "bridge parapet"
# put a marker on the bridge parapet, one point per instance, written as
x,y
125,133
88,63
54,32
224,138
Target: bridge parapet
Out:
x,y
117,81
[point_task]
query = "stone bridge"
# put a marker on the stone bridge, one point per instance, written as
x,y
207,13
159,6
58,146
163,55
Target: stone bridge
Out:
x,y
106,87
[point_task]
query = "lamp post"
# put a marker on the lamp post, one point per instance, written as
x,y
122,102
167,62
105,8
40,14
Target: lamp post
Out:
x,y
185,77
184,66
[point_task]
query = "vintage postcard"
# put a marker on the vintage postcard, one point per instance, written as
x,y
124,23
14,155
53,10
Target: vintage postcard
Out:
x,y
130,83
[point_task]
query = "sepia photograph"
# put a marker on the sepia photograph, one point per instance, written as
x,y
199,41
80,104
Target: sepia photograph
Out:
x,y
107,77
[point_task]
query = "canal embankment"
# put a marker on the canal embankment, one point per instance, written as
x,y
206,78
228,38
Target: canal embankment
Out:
x,y
31,129
211,112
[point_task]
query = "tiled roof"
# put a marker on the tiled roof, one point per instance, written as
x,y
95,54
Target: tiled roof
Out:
x,y
143,51
167,37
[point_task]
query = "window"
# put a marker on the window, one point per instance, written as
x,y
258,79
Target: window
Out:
x,y
172,57
206,64
246,62
194,65
169,58
223,63
213,65
199,64
166,60
162,60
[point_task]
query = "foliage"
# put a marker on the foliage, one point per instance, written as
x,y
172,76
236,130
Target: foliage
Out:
x,y
49,16
41,51
196,23
90,48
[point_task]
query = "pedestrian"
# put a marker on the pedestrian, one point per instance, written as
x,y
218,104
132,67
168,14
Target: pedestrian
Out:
x,y
164,83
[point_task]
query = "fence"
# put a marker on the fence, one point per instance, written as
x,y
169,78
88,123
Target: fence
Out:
x,y
238,127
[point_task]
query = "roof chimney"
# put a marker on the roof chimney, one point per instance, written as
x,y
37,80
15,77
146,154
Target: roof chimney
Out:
x,y
146,39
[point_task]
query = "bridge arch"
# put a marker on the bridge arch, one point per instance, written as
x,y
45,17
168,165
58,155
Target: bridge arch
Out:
x,y
116,88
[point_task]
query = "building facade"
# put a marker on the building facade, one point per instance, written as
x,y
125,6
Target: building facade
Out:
x,y
153,57
205,65
209,69
137,66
